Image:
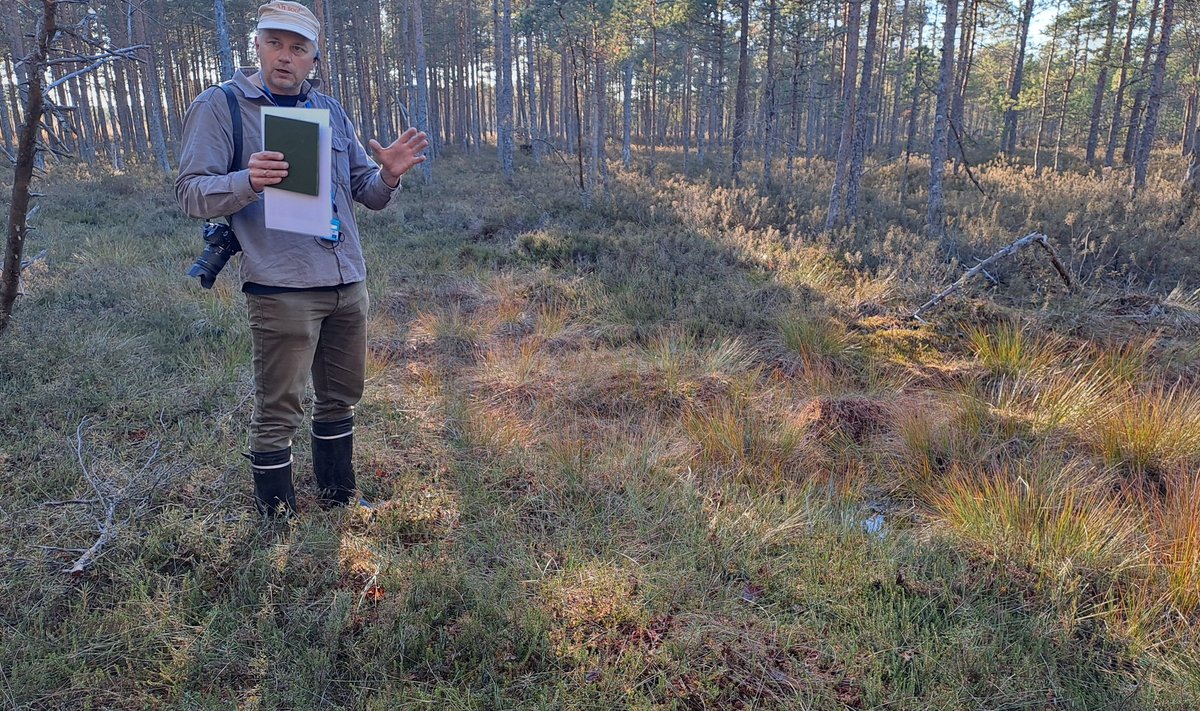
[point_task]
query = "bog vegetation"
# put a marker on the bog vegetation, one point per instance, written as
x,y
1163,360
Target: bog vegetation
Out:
x,y
651,433
675,450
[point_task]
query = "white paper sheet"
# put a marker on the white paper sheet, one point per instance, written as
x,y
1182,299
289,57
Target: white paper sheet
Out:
x,y
297,212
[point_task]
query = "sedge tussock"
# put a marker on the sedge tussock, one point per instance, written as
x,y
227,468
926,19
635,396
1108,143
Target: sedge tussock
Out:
x,y
1007,349
449,329
1153,429
817,339
492,427
1177,533
1046,514
1078,397
733,434
1128,362
513,372
551,321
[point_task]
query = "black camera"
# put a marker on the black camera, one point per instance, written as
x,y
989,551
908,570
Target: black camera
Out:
x,y
219,245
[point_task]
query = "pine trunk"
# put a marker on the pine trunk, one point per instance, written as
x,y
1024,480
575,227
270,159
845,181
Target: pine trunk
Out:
x,y
1105,60
848,105
420,116
769,98
743,92
1016,80
1154,102
1139,97
936,213
862,120
1114,128
18,207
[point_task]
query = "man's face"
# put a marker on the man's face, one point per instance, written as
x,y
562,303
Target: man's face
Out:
x,y
285,59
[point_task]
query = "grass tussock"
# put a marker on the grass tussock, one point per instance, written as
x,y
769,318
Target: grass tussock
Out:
x,y
1153,430
1009,350
1043,513
1177,536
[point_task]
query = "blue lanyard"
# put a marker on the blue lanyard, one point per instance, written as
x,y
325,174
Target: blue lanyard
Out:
x,y
335,237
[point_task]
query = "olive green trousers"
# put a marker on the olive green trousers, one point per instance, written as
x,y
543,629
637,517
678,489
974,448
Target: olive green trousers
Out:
x,y
298,333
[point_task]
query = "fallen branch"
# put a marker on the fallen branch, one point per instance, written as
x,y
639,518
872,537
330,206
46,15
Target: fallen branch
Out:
x,y
133,498
1031,238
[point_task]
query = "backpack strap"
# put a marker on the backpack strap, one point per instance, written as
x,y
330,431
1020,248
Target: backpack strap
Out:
x,y
235,114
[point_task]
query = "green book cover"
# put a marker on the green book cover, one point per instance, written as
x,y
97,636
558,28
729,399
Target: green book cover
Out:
x,y
298,141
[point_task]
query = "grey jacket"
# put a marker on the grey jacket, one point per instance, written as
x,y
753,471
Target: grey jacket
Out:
x,y
205,188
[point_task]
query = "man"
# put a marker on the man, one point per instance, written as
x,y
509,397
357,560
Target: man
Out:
x,y
305,296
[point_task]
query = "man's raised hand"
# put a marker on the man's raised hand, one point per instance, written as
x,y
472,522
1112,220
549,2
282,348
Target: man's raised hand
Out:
x,y
398,158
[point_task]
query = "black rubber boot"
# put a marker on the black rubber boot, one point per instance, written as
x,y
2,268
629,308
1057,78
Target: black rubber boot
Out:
x,y
273,493
332,451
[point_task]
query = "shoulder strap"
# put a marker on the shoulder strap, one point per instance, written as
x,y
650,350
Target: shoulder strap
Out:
x,y
235,114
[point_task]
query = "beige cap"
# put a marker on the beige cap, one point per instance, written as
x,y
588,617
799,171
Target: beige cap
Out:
x,y
288,15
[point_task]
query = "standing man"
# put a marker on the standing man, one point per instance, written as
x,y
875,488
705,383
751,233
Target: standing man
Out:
x,y
305,296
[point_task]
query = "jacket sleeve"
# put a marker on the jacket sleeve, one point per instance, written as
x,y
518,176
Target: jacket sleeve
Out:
x,y
205,187
366,182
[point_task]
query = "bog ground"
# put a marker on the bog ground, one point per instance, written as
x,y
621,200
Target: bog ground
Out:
x,y
678,449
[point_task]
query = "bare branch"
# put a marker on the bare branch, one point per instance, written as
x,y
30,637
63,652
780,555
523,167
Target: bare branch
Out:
x,y
101,61
1031,238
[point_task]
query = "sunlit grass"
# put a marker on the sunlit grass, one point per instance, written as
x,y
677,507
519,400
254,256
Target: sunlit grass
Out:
x,y
733,434
1178,532
1077,397
1153,429
1008,349
1045,513
624,464
815,338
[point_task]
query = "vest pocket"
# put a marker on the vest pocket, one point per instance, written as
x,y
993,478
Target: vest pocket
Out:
x,y
341,161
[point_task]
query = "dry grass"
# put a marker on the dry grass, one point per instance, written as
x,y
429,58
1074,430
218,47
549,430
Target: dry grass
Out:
x,y
1009,350
1046,513
1177,534
1153,430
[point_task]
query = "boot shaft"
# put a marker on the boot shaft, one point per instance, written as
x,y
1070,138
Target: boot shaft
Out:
x,y
274,495
333,452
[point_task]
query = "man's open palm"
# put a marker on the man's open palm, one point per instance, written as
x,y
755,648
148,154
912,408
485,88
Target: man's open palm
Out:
x,y
405,152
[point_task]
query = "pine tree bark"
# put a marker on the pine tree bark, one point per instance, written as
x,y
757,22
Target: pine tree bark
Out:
x,y
421,110
837,193
1093,141
742,98
966,58
535,129
1066,100
1114,127
769,97
1154,102
1045,109
1139,96
793,144
151,94
1016,81
893,131
1191,183
627,113
18,207
935,218
862,120
224,51
504,91
1193,110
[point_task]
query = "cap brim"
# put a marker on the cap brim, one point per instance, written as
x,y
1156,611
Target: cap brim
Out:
x,y
278,25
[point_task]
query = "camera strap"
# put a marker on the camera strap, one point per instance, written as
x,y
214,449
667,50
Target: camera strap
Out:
x,y
235,116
